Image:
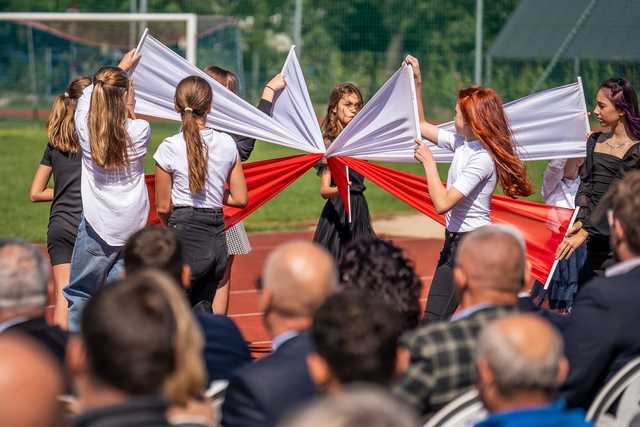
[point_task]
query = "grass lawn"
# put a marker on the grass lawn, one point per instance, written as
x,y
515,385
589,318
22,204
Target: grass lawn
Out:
x,y
22,143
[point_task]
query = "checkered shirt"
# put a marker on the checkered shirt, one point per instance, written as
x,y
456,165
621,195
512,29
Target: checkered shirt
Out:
x,y
442,360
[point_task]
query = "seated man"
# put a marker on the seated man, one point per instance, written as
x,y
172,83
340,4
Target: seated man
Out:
x,y
489,272
297,277
602,333
24,275
157,247
356,340
521,364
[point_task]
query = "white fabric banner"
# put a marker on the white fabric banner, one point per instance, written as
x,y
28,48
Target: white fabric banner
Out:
x,y
160,70
293,108
551,124
386,126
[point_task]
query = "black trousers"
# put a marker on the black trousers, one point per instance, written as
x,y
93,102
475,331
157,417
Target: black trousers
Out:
x,y
204,248
443,297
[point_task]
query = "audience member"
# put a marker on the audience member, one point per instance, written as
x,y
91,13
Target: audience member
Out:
x,y
602,335
356,340
297,278
125,356
24,275
520,365
225,349
354,407
381,268
30,386
489,272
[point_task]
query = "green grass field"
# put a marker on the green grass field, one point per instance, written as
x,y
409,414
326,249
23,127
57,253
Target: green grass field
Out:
x,y
22,143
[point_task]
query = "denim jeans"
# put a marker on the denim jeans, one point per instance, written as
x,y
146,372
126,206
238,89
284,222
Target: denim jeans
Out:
x,y
93,263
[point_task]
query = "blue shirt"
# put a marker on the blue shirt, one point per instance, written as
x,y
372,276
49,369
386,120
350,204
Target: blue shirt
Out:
x,y
553,415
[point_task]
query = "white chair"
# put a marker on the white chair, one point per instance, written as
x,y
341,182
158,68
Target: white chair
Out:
x,y
623,388
463,411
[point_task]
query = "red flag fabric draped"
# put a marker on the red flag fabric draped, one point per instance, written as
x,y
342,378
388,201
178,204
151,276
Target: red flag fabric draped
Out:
x,y
543,226
265,180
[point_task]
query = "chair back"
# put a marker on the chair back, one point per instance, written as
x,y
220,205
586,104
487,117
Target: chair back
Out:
x,y
463,411
619,400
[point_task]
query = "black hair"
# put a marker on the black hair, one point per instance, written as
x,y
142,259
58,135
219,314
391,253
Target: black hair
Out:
x,y
154,247
127,329
379,267
358,336
624,98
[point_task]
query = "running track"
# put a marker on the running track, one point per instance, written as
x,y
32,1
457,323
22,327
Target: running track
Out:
x,y
243,305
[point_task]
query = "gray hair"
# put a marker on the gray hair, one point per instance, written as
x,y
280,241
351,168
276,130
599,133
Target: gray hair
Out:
x,y
357,406
24,275
514,372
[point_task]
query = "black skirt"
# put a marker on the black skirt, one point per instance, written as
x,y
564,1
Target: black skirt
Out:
x,y
334,230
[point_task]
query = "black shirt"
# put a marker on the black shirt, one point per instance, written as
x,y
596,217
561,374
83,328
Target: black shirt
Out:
x,y
67,200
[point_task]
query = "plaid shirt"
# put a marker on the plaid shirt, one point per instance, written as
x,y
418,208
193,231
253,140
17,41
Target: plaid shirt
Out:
x,y
442,360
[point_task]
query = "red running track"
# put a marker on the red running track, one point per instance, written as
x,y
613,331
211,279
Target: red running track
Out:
x,y
243,305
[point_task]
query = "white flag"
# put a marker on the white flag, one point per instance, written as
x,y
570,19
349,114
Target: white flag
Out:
x,y
160,70
386,127
293,108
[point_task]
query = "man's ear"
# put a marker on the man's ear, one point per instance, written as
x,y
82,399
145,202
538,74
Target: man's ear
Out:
x,y
618,230
318,370
563,370
76,357
403,359
265,299
527,281
185,276
459,278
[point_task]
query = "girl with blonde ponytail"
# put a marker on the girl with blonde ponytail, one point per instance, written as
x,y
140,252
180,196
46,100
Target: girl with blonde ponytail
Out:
x,y
484,155
61,159
115,204
192,170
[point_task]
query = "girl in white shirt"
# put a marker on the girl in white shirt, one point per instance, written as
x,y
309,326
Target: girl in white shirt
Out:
x,y
192,169
484,154
114,195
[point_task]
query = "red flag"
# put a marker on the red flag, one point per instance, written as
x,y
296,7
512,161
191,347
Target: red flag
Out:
x,y
542,226
265,180
341,180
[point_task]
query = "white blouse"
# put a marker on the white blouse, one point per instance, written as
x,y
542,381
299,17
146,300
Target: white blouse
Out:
x,y
473,173
115,202
171,156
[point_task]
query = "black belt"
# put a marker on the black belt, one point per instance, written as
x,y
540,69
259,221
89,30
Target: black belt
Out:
x,y
204,210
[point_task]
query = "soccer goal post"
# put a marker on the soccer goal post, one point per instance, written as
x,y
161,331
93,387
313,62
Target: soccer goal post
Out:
x,y
189,19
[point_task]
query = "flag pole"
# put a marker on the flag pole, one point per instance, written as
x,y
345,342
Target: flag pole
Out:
x,y
555,261
348,193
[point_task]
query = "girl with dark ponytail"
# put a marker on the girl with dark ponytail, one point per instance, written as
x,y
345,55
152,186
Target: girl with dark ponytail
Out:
x,y
484,155
192,170
610,154
61,159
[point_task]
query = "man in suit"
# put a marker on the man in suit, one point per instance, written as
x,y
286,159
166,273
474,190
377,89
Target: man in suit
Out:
x,y
489,272
225,350
520,364
24,275
602,333
297,277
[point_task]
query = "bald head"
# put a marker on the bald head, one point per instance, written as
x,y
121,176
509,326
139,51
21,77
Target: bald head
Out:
x,y
31,382
493,258
523,352
299,276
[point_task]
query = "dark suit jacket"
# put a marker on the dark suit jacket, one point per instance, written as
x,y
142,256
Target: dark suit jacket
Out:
x,y
526,305
225,350
260,394
601,335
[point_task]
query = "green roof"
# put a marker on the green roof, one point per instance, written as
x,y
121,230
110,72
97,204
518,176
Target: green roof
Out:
x,y
537,28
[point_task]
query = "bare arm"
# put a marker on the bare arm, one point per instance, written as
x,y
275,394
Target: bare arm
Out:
x,y
39,191
275,85
236,195
164,181
327,191
427,129
443,199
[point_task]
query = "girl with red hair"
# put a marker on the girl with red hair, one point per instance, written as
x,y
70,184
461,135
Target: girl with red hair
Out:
x,y
484,154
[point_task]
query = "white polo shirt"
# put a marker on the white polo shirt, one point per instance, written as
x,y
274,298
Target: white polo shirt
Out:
x,y
473,173
171,156
115,202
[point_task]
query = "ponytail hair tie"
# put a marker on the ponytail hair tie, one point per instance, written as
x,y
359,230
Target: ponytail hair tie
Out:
x,y
66,94
188,109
